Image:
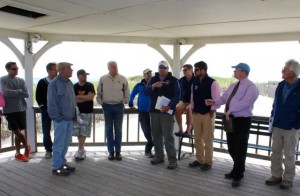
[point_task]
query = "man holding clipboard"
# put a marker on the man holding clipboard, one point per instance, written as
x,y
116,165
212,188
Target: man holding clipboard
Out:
x,y
164,91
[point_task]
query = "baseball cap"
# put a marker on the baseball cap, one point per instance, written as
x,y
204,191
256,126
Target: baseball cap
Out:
x,y
147,70
82,72
201,65
163,65
242,66
60,66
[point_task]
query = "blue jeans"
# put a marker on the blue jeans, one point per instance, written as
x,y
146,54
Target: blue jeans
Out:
x,y
46,126
113,116
62,138
144,118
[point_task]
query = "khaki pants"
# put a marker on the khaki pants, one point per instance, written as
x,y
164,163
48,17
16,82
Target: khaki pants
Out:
x,y
204,135
284,142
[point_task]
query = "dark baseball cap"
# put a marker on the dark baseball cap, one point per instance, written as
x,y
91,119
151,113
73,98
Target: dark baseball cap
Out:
x,y
82,72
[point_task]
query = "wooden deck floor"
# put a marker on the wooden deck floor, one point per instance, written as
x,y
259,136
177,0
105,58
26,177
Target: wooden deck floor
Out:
x,y
132,176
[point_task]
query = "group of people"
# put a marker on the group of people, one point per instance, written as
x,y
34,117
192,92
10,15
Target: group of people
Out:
x,y
160,98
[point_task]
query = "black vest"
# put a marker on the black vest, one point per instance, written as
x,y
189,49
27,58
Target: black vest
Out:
x,y
166,90
201,91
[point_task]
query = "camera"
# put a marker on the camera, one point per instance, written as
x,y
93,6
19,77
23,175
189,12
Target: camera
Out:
x,y
181,41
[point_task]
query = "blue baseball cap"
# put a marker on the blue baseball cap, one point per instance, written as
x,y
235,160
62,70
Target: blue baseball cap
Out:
x,y
243,66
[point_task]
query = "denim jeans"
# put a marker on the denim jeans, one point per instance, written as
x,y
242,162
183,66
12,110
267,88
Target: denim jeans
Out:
x,y
46,126
62,138
113,117
144,118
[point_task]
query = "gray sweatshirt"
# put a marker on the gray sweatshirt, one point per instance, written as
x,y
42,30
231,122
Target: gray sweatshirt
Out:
x,y
15,92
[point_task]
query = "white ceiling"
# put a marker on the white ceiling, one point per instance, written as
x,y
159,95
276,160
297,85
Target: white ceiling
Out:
x,y
156,18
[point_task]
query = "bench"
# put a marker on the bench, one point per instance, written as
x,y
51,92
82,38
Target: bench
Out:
x,y
259,127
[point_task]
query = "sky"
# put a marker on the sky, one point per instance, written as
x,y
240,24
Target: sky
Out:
x,y
265,59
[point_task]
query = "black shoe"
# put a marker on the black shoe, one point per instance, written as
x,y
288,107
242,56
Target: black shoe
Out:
x,y
69,168
118,156
179,133
195,164
205,167
172,166
228,175
61,172
236,183
111,156
156,161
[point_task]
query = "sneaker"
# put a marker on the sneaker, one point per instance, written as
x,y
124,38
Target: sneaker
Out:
x,y
27,151
205,167
76,156
195,164
172,165
118,156
149,154
273,180
68,168
61,172
20,157
156,161
82,154
111,156
286,184
186,133
48,155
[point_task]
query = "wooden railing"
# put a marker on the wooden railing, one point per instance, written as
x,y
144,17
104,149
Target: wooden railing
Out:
x,y
259,140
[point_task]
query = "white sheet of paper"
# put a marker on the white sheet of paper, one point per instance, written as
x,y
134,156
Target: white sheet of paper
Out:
x,y
162,101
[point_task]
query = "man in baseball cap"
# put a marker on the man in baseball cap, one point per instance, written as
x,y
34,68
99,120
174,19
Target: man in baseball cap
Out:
x,y
242,67
82,72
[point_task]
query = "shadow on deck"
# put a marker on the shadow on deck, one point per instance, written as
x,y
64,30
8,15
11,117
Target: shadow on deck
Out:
x,y
133,176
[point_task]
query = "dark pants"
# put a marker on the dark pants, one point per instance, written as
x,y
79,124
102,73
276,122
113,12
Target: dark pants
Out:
x,y
144,118
237,142
113,117
46,126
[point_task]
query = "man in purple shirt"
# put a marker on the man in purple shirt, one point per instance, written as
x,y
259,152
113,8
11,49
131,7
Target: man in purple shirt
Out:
x,y
239,99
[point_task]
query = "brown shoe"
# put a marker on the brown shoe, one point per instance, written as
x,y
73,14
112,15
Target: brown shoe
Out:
x,y
286,184
195,164
273,180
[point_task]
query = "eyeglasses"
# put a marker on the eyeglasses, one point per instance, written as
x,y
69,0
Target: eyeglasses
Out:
x,y
14,69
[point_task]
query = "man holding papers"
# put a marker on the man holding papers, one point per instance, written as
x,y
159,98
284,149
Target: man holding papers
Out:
x,y
164,91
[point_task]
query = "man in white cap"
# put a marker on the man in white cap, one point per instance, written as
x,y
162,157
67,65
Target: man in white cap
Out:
x,y
239,99
61,109
143,103
163,86
85,93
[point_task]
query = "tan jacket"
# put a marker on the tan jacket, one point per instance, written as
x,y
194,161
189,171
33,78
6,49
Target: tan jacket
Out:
x,y
113,90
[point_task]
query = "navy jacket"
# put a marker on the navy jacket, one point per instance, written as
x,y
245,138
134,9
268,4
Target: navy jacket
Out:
x,y
286,114
170,89
143,101
201,91
185,89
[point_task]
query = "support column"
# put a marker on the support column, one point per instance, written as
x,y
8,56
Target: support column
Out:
x,y
30,126
176,61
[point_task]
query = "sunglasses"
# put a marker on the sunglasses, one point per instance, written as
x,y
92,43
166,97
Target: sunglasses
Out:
x,y
162,67
184,70
14,69
196,69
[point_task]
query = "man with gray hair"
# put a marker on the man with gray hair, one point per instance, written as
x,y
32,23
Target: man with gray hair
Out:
x,y
112,94
61,101
285,126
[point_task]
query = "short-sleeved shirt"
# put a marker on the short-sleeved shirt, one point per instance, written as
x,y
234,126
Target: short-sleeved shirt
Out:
x,y
87,106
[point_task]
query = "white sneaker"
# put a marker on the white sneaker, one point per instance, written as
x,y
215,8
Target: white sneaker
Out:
x,y
76,156
82,154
